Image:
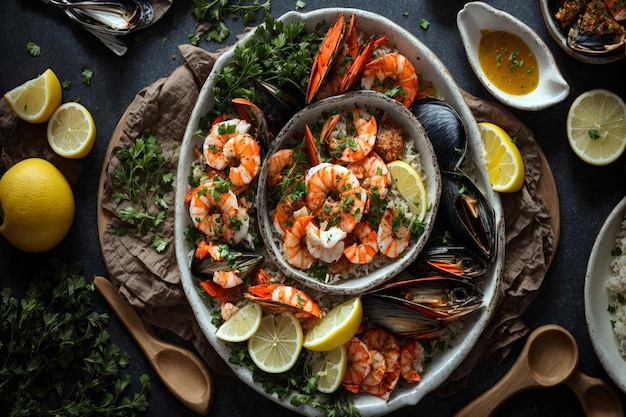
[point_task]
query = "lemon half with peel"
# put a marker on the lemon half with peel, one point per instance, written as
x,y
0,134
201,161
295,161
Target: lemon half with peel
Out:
x,y
275,346
71,131
336,327
596,126
503,159
331,367
36,99
411,187
242,325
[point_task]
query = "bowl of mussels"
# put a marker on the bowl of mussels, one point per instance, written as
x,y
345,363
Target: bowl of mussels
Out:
x,y
276,189
592,31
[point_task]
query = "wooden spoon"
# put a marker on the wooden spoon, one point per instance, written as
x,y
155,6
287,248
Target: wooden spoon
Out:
x,y
182,372
548,358
596,397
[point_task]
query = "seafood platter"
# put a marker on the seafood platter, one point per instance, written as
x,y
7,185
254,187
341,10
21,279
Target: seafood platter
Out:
x,y
592,31
289,199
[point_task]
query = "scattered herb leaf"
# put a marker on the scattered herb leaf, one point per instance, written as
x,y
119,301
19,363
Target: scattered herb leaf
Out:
x,y
86,75
33,49
300,4
424,24
215,11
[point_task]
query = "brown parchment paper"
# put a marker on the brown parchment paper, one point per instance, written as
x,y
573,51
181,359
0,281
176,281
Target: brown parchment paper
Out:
x,y
151,281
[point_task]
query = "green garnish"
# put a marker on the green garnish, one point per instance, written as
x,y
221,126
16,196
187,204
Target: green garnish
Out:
x,y
424,24
86,75
215,11
593,134
33,49
56,357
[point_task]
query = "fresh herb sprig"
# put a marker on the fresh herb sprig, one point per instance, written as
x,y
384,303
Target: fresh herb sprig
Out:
x,y
56,357
215,12
142,178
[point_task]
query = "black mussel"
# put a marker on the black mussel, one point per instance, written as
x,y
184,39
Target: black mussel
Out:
x,y
593,29
437,297
444,129
245,261
453,261
401,321
466,214
279,104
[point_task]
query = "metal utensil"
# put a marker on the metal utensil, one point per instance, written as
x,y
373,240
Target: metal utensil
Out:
x,y
184,374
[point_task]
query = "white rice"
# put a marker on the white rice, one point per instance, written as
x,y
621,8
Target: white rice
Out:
x,y
617,288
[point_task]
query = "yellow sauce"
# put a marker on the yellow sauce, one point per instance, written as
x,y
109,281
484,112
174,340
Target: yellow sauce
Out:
x,y
508,62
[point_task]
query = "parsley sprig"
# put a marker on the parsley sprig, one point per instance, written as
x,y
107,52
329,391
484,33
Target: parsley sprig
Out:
x,y
215,12
141,179
56,357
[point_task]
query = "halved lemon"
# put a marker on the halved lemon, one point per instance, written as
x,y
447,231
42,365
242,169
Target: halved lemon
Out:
x,y
242,325
410,186
502,158
36,99
330,367
275,346
71,131
336,327
596,126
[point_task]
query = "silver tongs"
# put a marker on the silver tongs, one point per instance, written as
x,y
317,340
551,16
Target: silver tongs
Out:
x,y
108,19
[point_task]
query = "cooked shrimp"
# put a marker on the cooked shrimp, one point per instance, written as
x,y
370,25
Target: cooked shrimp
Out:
x,y
411,356
393,75
359,364
281,297
325,245
334,193
386,343
286,213
296,252
220,133
393,235
247,151
378,369
365,248
217,214
227,310
279,161
351,136
373,174
227,279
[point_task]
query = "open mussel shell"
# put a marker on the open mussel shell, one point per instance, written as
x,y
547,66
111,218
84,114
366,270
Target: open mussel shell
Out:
x,y
594,42
243,260
453,261
399,320
444,129
466,214
279,104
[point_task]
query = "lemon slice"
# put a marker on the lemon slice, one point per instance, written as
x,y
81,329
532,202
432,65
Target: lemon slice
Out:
x,y
331,367
242,325
410,186
71,131
36,99
336,327
502,158
596,126
275,346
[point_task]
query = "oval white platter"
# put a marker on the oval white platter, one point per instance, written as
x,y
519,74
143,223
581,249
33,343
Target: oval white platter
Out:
x,y
598,317
430,68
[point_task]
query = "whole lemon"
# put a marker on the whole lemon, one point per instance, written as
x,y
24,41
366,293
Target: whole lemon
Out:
x,y
36,205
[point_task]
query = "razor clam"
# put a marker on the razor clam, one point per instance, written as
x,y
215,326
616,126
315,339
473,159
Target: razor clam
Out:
x,y
400,320
466,214
444,129
437,297
453,261
245,261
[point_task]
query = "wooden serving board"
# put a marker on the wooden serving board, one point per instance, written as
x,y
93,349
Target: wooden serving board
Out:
x,y
546,188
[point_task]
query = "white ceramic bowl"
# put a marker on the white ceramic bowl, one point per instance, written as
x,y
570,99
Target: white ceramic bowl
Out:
x,y
474,18
375,103
549,9
598,318
430,68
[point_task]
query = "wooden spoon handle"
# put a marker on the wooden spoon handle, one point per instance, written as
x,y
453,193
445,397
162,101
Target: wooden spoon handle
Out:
x,y
596,397
127,314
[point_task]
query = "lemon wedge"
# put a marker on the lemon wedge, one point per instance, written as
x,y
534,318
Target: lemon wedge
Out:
x,y
330,367
242,325
36,99
596,126
71,131
410,186
336,327
502,158
275,346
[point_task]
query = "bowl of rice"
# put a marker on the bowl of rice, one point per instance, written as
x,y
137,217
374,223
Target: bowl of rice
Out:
x,y
335,274
605,291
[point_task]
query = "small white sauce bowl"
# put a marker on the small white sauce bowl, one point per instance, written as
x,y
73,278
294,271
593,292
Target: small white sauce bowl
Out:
x,y
477,17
